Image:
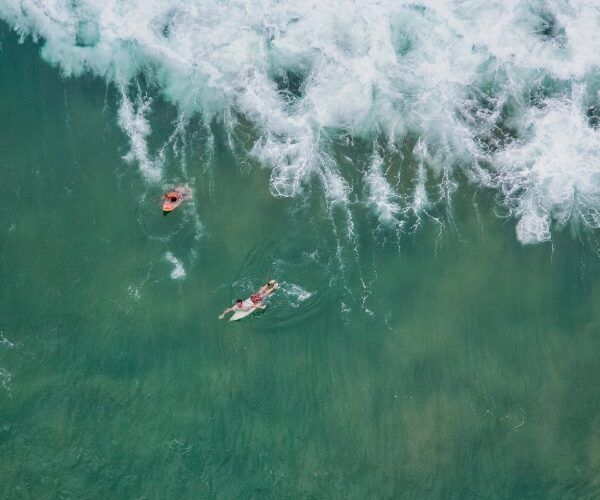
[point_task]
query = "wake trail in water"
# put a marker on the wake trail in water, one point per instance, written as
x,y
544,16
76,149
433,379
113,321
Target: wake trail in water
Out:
x,y
505,94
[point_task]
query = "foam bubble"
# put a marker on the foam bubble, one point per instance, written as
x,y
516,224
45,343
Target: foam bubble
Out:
x,y
5,380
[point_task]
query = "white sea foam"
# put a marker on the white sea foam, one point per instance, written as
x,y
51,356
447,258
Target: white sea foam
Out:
x,y
381,197
484,86
178,271
5,379
137,127
550,175
295,293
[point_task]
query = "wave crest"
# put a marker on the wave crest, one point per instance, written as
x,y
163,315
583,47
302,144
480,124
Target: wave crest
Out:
x,y
500,91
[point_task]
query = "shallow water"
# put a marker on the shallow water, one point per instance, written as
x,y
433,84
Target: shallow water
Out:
x,y
446,362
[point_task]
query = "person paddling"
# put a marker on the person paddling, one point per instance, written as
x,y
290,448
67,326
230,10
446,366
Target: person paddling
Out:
x,y
172,200
256,300
243,305
173,196
264,292
267,289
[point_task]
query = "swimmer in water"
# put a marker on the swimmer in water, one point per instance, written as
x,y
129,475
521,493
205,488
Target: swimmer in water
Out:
x,y
174,196
267,289
173,199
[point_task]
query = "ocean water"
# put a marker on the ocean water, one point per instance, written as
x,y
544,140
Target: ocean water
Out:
x,y
423,179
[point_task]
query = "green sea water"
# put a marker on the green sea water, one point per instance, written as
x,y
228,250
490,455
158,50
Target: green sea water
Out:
x,y
452,362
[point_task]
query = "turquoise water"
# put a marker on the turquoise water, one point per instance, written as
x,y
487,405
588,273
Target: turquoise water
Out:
x,y
448,362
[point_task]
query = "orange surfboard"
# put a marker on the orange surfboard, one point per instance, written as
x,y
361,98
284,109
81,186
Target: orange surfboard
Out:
x,y
172,201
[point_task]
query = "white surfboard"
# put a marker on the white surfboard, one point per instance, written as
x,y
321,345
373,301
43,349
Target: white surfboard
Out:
x,y
237,315
241,314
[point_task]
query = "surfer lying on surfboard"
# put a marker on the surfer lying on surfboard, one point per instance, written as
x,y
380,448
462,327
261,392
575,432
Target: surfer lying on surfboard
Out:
x,y
173,199
266,290
242,308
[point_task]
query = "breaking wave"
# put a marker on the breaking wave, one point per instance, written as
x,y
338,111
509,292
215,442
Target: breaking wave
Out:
x,y
504,94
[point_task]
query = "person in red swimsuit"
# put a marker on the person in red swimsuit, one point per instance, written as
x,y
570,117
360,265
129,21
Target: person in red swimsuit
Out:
x,y
263,292
173,196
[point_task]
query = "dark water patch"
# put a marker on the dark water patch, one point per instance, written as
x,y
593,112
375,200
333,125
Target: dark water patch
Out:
x,y
417,7
164,24
403,43
290,84
593,116
591,99
87,33
545,88
549,29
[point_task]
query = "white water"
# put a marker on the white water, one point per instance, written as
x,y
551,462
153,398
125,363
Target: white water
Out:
x,y
381,195
178,271
503,91
295,294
